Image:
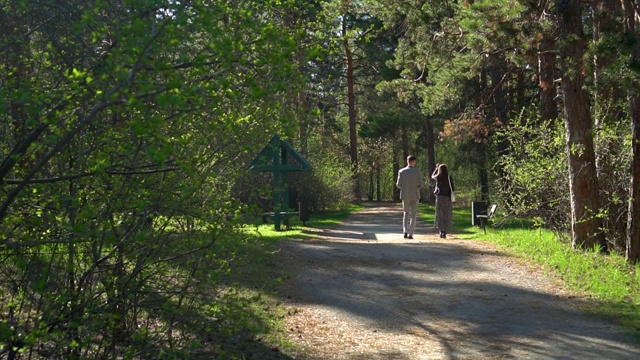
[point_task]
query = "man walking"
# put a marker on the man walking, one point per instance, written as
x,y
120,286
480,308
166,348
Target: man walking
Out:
x,y
410,182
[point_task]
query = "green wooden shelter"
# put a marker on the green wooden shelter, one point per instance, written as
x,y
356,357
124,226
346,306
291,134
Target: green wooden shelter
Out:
x,y
280,158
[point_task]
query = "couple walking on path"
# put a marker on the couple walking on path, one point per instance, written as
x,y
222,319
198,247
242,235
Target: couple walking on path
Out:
x,y
410,182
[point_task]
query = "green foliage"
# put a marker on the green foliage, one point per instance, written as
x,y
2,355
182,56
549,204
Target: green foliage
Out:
x,y
534,181
613,148
124,124
330,185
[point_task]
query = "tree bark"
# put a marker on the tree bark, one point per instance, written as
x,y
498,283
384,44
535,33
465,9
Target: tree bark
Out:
x,y
371,188
586,226
378,183
431,155
481,148
608,110
633,223
351,100
497,72
546,77
396,168
405,141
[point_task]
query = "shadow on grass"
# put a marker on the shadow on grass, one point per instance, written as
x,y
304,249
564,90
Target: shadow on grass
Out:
x,y
212,289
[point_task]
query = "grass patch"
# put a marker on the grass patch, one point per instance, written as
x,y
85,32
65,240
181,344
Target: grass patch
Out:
x,y
296,229
252,280
611,283
461,219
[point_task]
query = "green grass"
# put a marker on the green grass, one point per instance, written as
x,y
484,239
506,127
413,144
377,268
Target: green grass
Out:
x,y
253,280
296,229
461,220
612,285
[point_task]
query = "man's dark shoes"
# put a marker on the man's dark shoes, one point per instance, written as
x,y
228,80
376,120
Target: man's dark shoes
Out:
x,y
410,237
405,235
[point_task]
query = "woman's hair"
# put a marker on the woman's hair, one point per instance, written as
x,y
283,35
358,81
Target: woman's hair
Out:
x,y
443,172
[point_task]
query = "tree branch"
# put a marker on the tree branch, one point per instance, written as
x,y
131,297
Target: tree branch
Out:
x,y
86,174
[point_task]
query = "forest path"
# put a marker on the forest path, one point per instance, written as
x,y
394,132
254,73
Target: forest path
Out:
x,y
362,291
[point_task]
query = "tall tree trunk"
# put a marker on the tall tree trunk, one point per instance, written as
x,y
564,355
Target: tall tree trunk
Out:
x,y
521,98
303,122
586,226
431,154
351,101
499,99
396,168
378,183
546,77
481,151
606,96
633,223
483,174
405,141
604,23
371,188
497,74
302,105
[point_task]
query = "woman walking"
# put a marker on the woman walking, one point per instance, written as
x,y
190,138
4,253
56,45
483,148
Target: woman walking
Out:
x,y
444,189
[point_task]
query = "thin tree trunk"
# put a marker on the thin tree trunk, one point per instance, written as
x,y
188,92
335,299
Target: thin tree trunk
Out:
x,y
405,141
546,77
500,104
483,174
606,97
378,183
586,226
396,168
520,93
481,151
431,155
351,100
302,110
604,22
371,185
633,223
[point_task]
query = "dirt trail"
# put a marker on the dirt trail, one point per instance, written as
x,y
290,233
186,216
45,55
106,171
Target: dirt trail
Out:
x,y
361,291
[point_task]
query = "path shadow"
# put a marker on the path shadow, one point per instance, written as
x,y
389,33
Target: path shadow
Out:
x,y
472,301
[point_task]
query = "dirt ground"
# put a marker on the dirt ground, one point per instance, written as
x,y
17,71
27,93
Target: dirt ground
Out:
x,y
362,291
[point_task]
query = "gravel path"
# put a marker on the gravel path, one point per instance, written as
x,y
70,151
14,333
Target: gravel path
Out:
x,y
361,291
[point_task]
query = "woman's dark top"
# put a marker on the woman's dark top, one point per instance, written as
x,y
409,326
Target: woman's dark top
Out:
x,y
443,186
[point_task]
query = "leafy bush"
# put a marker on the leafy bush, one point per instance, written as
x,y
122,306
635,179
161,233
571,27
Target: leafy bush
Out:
x,y
533,180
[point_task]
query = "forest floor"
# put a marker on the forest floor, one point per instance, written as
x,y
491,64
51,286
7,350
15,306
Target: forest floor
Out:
x,y
361,291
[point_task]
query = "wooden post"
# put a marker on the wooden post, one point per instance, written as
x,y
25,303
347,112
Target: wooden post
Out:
x,y
276,190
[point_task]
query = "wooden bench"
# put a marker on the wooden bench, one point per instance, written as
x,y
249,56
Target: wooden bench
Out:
x,y
484,218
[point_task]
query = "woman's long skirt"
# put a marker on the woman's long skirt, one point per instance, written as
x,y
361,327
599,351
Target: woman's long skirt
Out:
x,y
444,213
